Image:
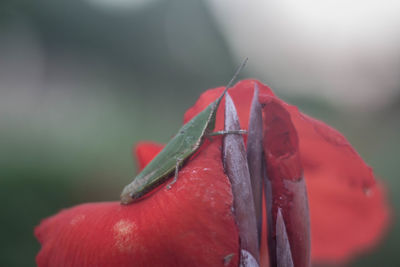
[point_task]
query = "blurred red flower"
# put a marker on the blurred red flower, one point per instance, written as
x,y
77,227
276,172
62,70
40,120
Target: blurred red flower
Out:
x,y
193,224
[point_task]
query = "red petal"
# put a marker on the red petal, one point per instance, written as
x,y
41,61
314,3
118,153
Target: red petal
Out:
x,y
145,152
285,179
348,209
344,220
190,225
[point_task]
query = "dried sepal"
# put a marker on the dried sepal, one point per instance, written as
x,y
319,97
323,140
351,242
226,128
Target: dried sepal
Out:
x,y
254,155
268,211
236,168
247,260
283,253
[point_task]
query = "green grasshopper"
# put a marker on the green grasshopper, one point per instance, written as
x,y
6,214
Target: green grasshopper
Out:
x,y
184,144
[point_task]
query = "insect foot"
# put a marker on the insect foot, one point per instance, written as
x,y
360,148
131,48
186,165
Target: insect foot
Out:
x,y
178,164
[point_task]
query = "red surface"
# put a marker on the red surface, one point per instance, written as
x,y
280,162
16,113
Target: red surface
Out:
x,y
192,224
285,173
281,144
349,212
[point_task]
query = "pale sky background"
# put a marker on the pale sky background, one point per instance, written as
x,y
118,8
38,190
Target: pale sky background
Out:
x,y
346,51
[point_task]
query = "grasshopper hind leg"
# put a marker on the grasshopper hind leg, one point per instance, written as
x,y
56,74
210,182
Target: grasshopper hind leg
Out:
x,y
228,132
178,164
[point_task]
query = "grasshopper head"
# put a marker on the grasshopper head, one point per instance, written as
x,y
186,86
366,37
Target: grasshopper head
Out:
x,y
126,198
130,194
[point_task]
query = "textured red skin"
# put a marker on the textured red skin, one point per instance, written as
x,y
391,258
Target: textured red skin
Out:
x,y
349,211
281,143
190,225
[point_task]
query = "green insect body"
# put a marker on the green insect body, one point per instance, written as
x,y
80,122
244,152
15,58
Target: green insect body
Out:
x,y
184,144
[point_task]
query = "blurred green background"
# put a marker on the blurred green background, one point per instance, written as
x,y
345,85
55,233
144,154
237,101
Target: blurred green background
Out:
x,y
82,81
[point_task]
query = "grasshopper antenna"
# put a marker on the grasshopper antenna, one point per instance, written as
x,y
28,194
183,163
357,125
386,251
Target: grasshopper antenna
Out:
x,y
229,85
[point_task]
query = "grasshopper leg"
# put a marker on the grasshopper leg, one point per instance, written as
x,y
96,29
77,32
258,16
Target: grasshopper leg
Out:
x,y
228,132
178,163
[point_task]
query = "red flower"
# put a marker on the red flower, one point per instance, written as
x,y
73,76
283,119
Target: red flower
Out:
x,y
192,224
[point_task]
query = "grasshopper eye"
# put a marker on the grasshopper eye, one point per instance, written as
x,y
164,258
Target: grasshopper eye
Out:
x,y
135,196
